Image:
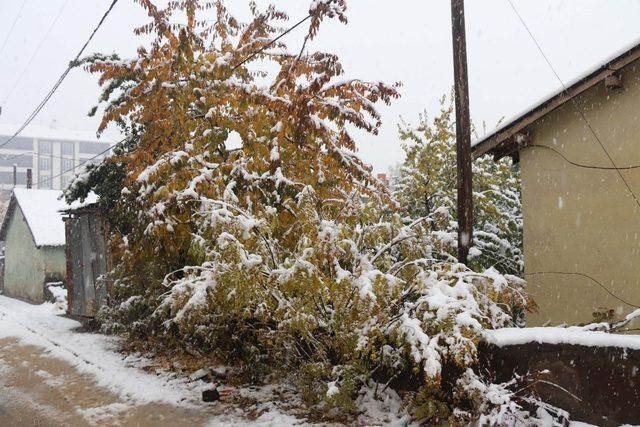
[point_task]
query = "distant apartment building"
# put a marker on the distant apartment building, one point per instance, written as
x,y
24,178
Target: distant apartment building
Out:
x,y
53,155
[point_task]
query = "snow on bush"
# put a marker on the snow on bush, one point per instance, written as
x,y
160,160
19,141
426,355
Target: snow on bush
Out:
x,y
281,254
58,295
425,185
360,296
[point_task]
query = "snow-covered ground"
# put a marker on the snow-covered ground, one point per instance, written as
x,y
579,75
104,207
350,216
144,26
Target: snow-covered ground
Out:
x,y
97,357
93,354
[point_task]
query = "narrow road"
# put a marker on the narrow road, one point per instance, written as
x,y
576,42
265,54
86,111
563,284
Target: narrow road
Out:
x,y
53,375
14,414
38,390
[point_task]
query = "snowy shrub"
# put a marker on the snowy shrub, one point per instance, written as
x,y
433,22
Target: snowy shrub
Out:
x,y
358,294
278,252
512,403
426,187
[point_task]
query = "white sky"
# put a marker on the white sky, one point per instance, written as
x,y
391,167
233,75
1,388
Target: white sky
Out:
x,y
388,40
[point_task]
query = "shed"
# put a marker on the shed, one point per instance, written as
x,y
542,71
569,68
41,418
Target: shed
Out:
x,y
579,155
34,238
87,260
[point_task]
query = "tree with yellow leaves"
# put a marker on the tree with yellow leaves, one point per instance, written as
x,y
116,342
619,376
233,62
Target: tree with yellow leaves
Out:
x,y
276,251
426,187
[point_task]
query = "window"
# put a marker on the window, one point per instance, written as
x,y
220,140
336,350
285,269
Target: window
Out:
x,y
44,164
67,165
44,147
67,149
45,181
92,147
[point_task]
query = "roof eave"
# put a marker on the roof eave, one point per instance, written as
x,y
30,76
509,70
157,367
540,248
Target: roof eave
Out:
x,y
502,141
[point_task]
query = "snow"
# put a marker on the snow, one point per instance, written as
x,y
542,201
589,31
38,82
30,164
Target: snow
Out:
x,y
41,209
50,379
96,355
553,335
332,389
272,417
59,293
92,354
382,408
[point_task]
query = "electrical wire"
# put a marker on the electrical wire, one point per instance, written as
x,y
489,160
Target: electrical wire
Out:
x,y
51,178
580,165
574,103
567,273
28,153
35,53
60,79
13,25
271,43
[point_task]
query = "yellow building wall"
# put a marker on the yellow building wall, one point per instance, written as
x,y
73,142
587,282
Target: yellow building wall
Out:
x,y
584,220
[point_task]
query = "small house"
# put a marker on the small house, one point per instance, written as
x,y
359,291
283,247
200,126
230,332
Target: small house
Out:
x,y
34,238
579,156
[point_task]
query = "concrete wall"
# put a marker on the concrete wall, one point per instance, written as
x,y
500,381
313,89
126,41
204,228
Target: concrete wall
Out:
x,y
584,220
596,385
27,268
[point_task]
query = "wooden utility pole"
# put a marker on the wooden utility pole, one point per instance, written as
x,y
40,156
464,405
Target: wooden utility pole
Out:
x,y
463,131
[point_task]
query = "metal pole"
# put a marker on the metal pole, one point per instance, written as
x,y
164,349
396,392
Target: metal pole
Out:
x,y
29,178
463,131
15,175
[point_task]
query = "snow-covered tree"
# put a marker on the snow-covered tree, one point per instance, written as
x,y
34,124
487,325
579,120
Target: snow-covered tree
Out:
x,y
277,252
426,187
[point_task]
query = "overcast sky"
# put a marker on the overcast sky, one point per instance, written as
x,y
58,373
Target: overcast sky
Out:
x,y
399,40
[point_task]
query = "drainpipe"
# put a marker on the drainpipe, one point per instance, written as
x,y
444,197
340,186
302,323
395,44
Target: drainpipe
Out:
x,y
15,175
29,178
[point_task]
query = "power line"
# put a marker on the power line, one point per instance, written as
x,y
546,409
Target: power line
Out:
x,y
569,273
27,153
574,103
249,57
35,53
271,43
51,178
60,79
13,25
580,165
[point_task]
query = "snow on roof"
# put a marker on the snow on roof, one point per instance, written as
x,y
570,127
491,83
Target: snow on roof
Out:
x,y
47,132
559,90
573,335
42,211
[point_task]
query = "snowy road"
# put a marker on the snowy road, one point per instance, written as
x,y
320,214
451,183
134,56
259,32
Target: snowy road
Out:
x,y
51,375
38,388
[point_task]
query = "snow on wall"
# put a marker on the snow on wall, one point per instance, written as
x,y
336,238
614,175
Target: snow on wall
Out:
x,y
572,335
